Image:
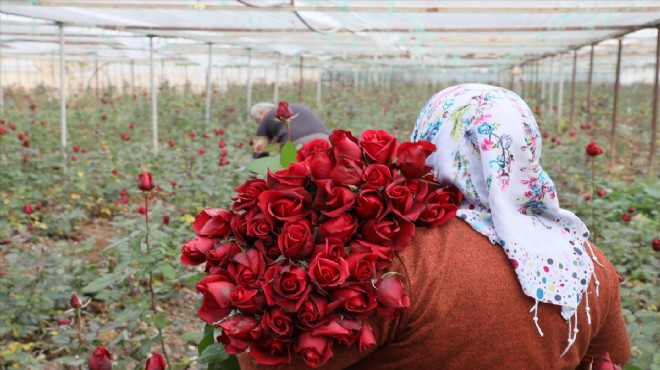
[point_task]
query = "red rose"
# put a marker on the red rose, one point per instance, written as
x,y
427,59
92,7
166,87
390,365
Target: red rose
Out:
x,y
389,232
376,176
249,301
62,322
379,146
347,331
75,301
239,227
313,148
100,359
216,304
392,300
194,252
270,250
313,349
296,239
283,112
258,226
593,149
604,362
370,205
631,210
145,182
362,267
247,267
626,217
345,146
330,248
383,254
278,322
332,329
27,209
355,298
419,188
221,253
287,286
312,312
285,205
333,200
248,193
325,273
440,206
411,158
293,177
156,362
270,351
342,227
402,202
347,172
238,332
601,193
655,244
214,222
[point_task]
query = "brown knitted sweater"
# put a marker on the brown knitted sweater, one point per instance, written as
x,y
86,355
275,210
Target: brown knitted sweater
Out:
x,y
468,312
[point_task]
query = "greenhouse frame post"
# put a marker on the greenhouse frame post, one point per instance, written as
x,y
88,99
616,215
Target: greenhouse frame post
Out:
x,y
276,88
590,83
551,92
63,127
544,76
300,82
96,74
154,100
572,116
2,92
615,105
132,78
207,113
249,80
560,95
319,88
355,80
654,119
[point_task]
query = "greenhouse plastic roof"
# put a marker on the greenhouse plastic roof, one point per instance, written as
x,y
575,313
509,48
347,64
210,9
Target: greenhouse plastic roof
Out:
x,y
453,34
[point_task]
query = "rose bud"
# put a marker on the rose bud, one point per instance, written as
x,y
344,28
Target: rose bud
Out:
x,y
131,125
361,267
626,217
62,322
285,205
248,194
215,222
333,200
194,251
75,302
278,322
314,350
270,351
587,197
655,244
238,332
294,176
166,219
296,239
572,133
593,149
312,312
355,298
219,131
201,152
342,227
283,112
221,143
192,135
287,286
631,210
124,200
223,153
2,130
100,359
223,162
392,300
27,209
379,146
247,267
601,192
343,333
104,117
172,143
546,135
26,143
145,182
604,362
330,248
383,254
317,157
392,233
114,171
249,301
155,362
411,158
216,305
142,210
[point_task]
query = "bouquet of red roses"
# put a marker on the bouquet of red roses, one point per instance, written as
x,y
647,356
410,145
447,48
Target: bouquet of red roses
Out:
x,y
300,261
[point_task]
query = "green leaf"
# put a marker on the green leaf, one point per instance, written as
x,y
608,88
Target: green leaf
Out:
x,y
262,165
161,320
168,271
215,353
192,336
230,364
99,284
207,340
288,154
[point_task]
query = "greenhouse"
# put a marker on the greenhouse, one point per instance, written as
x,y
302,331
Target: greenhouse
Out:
x,y
198,100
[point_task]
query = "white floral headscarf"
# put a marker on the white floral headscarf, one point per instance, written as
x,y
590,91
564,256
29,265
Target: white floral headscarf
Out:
x,y
489,145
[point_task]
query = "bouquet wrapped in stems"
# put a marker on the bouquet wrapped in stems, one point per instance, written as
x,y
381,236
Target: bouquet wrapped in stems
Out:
x,y
300,262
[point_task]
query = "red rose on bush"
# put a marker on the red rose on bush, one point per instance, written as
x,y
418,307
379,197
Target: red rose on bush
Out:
x,y
247,267
216,304
296,239
215,222
100,359
593,149
194,252
145,182
333,200
342,227
287,286
376,176
392,300
278,322
285,205
270,351
283,112
655,244
379,146
411,158
393,233
370,205
248,194
156,362
312,312
326,273
313,349
293,177
238,332
626,217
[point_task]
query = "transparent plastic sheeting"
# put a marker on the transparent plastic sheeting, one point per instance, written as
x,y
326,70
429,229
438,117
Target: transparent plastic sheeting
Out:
x,y
491,34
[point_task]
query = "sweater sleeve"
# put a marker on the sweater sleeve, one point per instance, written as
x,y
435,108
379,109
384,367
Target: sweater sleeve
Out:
x,y
612,336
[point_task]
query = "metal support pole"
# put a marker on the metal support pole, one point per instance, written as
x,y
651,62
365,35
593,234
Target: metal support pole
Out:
x,y
654,119
319,88
207,116
551,92
96,74
572,116
355,80
2,92
63,128
249,80
154,101
276,88
614,106
560,96
133,78
52,67
300,83
589,83
543,83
